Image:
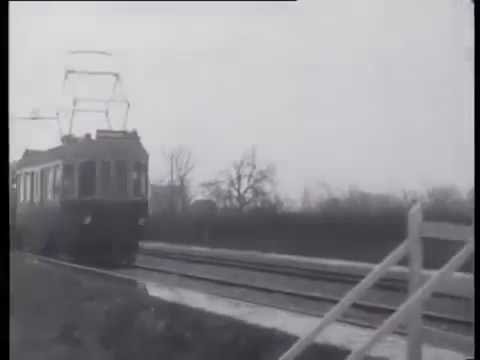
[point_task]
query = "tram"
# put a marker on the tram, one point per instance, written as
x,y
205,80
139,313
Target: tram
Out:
x,y
86,198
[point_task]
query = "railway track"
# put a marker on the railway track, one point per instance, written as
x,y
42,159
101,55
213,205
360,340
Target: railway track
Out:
x,y
367,307
391,284
440,329
364,314
312,274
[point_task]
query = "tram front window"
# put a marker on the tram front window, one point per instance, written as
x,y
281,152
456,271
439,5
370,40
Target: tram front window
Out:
x,y
68,176
105,178
121,177
139,180
86,179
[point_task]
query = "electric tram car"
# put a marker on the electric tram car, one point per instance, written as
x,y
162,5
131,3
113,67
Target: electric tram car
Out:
x,y
85,199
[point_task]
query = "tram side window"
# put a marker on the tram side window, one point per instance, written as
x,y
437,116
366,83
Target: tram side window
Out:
x,y
105,177
34,197
18,187
57,182
32,187
68,180
43,184
24,187
139,179
28,187
36,187
50,183
121,177
87,179
39,185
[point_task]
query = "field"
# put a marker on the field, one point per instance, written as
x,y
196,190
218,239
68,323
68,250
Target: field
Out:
x,y
60,314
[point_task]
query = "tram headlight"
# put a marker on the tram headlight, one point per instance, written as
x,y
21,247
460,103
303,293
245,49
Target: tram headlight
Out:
x,y
141,221
87,220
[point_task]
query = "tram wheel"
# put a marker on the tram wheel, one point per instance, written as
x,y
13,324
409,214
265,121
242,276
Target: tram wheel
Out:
x,y
51,248
18,241
129,259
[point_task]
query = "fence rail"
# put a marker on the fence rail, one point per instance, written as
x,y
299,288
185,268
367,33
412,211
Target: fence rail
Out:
x,y
445,231
405,310
419,290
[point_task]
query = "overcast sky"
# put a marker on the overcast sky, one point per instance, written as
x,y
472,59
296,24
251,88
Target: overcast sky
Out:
x,y
376,94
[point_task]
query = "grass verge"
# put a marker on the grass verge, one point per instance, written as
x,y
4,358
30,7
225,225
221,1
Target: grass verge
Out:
x,y
57,313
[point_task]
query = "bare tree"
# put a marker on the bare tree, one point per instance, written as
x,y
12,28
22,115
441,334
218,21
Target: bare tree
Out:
x,y
444,195
215,190
306,201
447,201
181,165
243,185
409,197
471,196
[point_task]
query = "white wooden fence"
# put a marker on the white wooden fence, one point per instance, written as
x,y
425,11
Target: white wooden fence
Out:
x,y
411,310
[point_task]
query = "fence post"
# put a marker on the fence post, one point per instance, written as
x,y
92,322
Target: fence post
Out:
x,y
415,255
472,300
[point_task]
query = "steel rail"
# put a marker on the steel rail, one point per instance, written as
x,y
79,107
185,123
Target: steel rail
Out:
x,y
288,270
361,305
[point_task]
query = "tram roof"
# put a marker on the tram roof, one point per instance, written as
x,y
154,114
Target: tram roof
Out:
x,y
123,148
